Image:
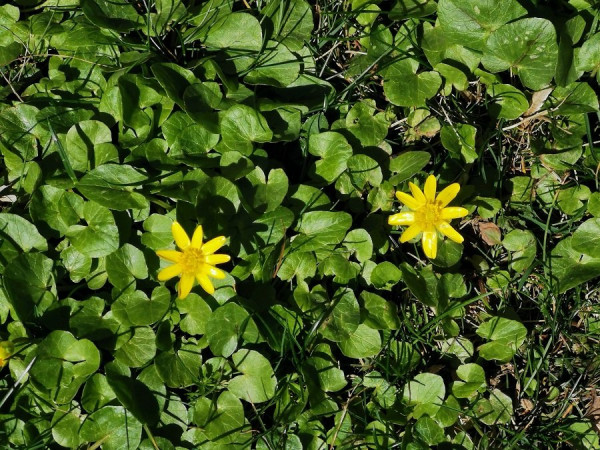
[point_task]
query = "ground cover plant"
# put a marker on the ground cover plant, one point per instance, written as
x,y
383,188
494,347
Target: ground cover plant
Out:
x,y
401,198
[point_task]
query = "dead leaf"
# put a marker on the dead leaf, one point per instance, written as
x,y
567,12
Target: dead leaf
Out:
x,y
527,405
537,100
593,410
490,233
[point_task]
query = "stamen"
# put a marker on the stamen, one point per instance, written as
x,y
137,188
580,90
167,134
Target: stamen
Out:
x,y
192,260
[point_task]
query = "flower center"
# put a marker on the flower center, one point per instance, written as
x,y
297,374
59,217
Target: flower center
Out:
x,y
192,260
428,215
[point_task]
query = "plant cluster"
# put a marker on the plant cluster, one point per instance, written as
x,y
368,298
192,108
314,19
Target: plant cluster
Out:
x,y
139,137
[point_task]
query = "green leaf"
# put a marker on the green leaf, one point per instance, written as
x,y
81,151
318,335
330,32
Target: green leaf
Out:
x,y
276,66
30,285
439,48
174,79
157,232
18,235
58,208
20,130
588,58
385,393
268,193
408,164
423,284
363,169
237,31
574,98
242,125
405,356
429,431
460,347
343,317
225,419
522,244
201,99
125,266
65,427
570,267
112,186
270,227
506,335
593,204
473,381
521,189
526,46
403,9
570,200
334,151
187,138
359,242
322,365
112,15
114,426
459,140
380,313
136,347
508,101
497,410
488,207
134,308
197,313
321,230
89,145
136,397
285,122
420,125
63,364
226,325
338,266
168,12
100,237
471,23
385,275
404,87
369,127
181,368
425,393
586,238
363,343
257,383
297,264
292,22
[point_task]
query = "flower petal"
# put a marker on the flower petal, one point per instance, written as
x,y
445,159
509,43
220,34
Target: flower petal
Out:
x,y
454,212
181,238
169,272
213,245
429,241
417,192
446,229
197,237
409,201
218,258
169,255
214,272
430,187
185,285
447,194
403,218
205,283
410,233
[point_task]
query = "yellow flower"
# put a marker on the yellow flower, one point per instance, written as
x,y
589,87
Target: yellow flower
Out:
x,y
6,350
429,214
194,261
